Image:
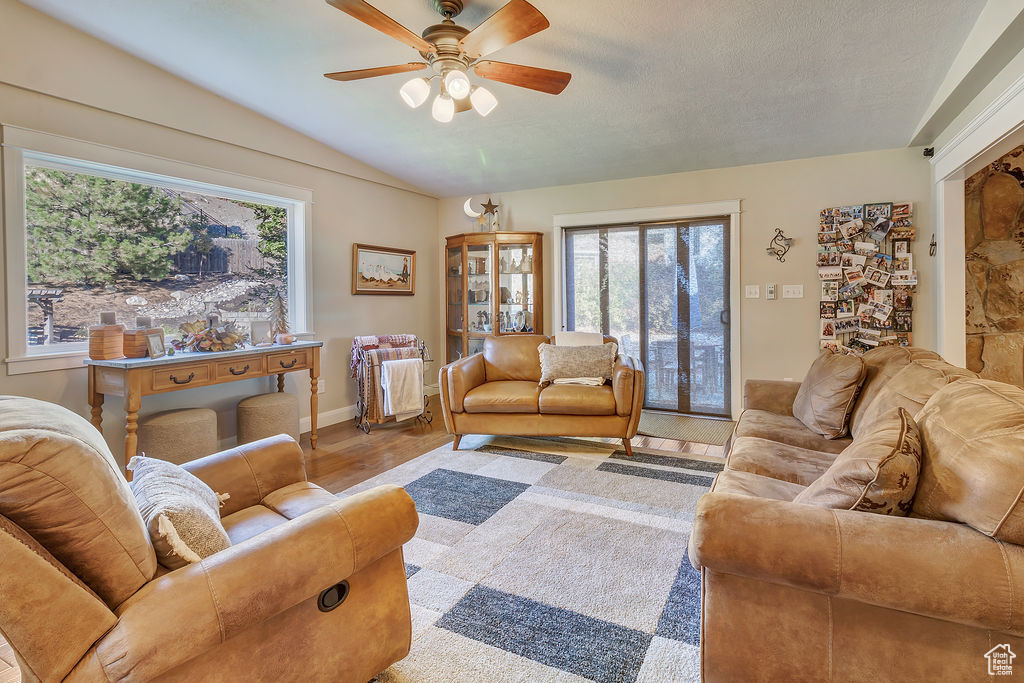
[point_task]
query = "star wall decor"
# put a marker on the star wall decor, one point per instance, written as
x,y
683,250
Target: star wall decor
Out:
x,y
490,207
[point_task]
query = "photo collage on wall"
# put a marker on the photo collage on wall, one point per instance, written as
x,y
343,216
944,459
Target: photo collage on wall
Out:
x,y
867,274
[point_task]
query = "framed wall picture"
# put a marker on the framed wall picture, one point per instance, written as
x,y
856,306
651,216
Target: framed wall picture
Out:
x,y
383,270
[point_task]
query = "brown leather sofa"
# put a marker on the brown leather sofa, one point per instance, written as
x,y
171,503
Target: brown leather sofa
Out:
x,y
803,593
83,599
498,392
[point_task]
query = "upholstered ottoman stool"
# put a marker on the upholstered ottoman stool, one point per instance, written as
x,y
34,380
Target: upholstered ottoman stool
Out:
x,y
268,415
179,436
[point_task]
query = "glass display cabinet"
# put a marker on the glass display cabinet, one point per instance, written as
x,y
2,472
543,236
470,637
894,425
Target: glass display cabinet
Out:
x,y
493,285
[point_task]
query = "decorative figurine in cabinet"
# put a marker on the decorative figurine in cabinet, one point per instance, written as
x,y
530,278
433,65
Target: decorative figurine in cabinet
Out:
x,y
480,264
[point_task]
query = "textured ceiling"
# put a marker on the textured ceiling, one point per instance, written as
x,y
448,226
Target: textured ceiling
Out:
x,y
658,86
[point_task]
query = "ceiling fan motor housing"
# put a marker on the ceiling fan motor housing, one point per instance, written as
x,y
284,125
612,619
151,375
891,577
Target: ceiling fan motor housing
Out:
x,y
448,8
445,37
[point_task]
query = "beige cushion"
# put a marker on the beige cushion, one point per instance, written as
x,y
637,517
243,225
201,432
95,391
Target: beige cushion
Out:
x,y
756,485
778,460
880,365
911,388
181,512
570,362
972,472
877,473
828,392
785,429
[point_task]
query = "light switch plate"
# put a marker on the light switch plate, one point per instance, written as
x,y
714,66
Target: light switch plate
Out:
x,y
792,291
769,292
752,291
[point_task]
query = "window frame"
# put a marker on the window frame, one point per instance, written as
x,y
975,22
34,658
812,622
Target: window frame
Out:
x,y
21,146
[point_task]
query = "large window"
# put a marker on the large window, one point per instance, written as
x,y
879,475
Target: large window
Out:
x,y
95,237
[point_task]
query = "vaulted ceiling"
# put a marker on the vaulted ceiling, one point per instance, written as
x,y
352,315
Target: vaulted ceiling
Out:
x,y
659,86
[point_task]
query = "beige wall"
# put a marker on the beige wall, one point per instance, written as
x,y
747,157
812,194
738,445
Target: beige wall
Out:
x,y
123,102
779,338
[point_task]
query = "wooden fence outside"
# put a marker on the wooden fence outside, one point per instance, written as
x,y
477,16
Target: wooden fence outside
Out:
x,y
229,255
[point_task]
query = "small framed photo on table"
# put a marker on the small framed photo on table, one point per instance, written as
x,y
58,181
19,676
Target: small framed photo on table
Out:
x,y
155,345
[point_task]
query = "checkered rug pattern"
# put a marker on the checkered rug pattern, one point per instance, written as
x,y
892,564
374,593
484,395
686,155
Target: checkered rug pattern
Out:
x,y
550,560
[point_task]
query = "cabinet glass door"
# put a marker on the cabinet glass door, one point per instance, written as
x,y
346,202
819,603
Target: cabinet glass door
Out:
x,y
454,274
478,288
516,288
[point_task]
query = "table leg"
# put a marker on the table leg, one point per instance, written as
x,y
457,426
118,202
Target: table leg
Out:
x,y
314,403
131,425
132,401
280,382
314,399
95,401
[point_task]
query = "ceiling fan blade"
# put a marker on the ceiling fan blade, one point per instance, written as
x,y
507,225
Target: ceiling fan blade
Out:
x,y
371,16
532,77
513,22
357,74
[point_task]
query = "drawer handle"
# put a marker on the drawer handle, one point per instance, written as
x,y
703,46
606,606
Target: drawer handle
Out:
x,y
239,372
191,376
289,365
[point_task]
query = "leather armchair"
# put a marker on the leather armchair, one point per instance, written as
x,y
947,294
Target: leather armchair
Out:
x,y
84,600
498,392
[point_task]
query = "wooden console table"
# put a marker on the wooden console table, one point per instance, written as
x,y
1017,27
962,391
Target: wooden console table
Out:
x,y
133,378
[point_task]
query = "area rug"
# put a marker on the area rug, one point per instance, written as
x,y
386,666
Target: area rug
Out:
x,y
545,560
685,427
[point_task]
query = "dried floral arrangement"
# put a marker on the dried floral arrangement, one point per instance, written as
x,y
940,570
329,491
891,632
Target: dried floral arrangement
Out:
x,y
200,336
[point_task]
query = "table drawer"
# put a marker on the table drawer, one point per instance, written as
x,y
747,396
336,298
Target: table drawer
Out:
x,y
240,368
299,359
181,376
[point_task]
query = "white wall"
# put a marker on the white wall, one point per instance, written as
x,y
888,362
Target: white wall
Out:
x,y
779,338
121,101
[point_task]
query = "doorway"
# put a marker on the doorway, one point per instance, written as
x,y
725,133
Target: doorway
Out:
x,y
663,290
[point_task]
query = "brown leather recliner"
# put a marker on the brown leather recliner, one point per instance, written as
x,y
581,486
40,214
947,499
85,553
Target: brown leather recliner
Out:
x,y
83,599
498,392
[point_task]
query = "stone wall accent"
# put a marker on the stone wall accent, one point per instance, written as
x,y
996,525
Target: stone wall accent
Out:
x,y
995,269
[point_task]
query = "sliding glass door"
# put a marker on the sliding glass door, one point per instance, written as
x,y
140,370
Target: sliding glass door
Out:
x,y
662,289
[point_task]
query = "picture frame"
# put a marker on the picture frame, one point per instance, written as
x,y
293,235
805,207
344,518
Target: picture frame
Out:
x,y
383,270
873,212
155,345
259,331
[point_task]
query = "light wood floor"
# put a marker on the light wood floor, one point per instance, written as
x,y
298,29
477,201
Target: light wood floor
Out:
x,y
346,456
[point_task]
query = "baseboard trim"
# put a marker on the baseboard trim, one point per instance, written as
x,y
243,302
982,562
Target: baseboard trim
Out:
x,y
328,418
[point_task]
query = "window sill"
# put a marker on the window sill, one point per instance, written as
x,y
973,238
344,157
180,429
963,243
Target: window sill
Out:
x,y
46,362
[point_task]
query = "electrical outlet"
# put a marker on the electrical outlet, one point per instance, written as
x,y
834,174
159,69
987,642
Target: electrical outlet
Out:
x,y
753,291
792,291
769,292
321,387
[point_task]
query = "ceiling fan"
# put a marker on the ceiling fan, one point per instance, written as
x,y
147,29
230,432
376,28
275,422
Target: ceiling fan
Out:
x,y
452,51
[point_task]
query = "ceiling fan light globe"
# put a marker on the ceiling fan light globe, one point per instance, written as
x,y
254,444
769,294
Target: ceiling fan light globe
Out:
x,y
415,92
457,84
443,109
483,100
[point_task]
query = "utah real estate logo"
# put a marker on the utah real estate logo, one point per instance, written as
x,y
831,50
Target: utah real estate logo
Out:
x,y
1000,660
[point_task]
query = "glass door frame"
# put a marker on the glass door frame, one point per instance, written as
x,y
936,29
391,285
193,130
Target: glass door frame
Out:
x,y
674,213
